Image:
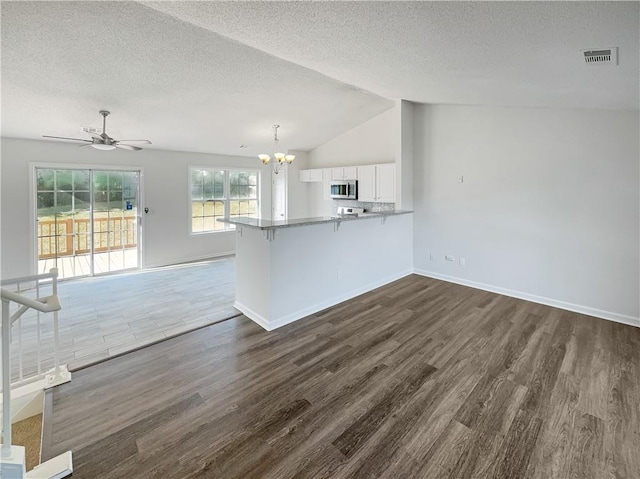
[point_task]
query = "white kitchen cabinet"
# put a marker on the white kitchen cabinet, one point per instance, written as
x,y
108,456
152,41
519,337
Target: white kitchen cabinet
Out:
x,y
309,176
367,183
377,183
350,173
326,184
386,183
344,173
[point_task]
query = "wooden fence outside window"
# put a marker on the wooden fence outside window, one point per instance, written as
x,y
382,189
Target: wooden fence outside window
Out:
x,y
72,236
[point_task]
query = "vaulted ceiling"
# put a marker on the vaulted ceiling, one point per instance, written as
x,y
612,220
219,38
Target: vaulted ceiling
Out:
x,y
211,76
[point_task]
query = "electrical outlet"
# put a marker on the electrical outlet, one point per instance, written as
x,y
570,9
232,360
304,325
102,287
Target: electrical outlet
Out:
x,y
449,257
463,262
432,257
460,179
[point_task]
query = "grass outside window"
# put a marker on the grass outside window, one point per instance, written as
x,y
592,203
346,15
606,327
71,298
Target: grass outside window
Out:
x,y
222,194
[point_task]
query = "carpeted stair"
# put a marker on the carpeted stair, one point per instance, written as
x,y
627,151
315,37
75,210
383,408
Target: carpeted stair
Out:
x,y
28,433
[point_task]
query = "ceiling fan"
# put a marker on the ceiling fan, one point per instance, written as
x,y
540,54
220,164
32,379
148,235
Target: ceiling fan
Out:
x,y
102,141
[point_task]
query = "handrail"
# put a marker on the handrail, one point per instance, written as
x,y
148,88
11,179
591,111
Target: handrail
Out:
x,y
47,304
53,273
6,381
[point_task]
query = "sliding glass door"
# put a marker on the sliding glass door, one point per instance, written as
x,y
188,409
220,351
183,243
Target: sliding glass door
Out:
x,y
115,220
87,221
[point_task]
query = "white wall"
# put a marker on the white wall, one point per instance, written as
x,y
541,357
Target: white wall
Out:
x,y
403,125
548,210
166,238
298,194
369,143
374,141
317,203
308,268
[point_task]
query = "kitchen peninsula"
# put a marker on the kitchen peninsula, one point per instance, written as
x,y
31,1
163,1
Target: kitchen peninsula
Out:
x,y
286,270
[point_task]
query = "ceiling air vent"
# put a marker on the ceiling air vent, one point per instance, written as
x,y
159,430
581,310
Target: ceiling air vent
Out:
x,y
601,56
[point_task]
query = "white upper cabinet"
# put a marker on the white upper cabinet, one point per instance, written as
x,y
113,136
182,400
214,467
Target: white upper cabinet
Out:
x,y
304,175
344,173
377,183
326,184
367,183
350,173
313,175
386,183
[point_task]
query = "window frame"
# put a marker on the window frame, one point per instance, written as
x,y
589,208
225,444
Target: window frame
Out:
x,y
226,199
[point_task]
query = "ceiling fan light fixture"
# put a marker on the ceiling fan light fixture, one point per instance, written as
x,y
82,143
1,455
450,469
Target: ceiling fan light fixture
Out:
x,y
102,141
102,146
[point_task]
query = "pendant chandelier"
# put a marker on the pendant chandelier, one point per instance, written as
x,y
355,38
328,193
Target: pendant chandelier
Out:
x,y
281,158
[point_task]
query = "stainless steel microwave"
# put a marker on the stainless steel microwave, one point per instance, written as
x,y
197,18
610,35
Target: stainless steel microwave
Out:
x,y
344,190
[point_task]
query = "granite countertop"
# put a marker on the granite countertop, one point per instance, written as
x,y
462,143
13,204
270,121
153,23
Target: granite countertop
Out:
x,y
269,224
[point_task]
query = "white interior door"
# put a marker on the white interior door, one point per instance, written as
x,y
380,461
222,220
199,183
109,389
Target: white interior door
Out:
x,y
279,195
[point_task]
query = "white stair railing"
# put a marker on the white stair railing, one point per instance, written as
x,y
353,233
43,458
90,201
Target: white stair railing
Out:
x,y
22,295
36,350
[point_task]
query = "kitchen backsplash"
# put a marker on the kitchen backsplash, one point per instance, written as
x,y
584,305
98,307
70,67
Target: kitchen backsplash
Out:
x,y
362,204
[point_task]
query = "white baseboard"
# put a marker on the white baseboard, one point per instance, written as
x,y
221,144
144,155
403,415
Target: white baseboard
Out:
x,y
576,308
55,468
253,316
303,313
188,260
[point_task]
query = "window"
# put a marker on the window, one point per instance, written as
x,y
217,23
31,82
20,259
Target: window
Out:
x,y
219,193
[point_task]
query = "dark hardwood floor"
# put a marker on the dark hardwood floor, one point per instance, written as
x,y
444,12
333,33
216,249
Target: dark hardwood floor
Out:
x,y
418,379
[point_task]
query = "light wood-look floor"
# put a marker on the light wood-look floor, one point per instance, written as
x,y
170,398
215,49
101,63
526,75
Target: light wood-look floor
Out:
x,y
102,317
418,379
79,265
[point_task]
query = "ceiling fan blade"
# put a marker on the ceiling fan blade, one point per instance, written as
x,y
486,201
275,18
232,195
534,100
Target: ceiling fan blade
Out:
x,y
97,136
128,147
135,141
65,138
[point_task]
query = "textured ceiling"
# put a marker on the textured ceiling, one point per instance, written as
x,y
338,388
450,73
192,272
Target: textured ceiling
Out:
x,y
209,76
178,85
482,53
